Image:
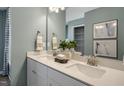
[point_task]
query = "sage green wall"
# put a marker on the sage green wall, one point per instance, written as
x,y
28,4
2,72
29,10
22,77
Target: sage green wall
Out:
x,y
104,14
25,22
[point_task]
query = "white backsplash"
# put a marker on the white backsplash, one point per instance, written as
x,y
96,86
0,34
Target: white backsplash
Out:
x,y
112,63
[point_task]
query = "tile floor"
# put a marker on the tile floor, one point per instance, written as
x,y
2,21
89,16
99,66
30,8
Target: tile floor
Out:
x,y
4,81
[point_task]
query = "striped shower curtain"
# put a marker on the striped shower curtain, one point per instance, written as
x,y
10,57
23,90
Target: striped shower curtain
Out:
x,y
7,44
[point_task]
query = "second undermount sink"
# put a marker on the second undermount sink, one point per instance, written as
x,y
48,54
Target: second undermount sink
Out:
x,y
89,71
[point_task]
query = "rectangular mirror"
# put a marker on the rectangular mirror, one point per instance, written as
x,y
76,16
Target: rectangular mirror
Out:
x,y
77,23
56,24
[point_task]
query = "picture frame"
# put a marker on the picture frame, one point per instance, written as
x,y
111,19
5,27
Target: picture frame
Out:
x,y
105,48
105,30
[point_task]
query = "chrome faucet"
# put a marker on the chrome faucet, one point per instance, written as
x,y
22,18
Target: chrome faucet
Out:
x,y
92,61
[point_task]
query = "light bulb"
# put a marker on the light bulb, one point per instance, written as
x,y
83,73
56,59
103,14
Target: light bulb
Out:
x,y
62,8
57,10
100,27
51,9
96,27
114,24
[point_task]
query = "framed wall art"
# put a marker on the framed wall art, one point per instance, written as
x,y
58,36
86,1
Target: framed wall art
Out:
x,y
104,30
106,48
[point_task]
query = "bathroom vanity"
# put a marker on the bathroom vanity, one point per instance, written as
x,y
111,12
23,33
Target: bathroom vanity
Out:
x,y
43,71
39,74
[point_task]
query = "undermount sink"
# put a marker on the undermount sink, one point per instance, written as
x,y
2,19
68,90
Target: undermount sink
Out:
x,y
89,71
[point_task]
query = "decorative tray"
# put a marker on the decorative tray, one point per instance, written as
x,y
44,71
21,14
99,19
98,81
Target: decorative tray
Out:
x,y
61,60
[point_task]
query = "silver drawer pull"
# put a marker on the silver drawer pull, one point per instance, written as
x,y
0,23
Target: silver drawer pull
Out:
x,y
34,71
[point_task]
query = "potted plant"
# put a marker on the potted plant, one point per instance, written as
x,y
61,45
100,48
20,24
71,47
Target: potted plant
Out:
x,y
66,44
63,44
68,47
72,44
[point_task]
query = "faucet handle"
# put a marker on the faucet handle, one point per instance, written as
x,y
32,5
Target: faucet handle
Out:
x,y
92,60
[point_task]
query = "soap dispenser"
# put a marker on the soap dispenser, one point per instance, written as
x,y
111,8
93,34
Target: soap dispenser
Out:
x,y
54,42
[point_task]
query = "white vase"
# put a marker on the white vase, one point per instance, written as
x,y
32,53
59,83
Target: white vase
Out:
x,y
68,53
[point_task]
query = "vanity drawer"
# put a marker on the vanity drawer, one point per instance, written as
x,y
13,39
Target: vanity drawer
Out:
x,y
41,70
36,73
38,68
62,79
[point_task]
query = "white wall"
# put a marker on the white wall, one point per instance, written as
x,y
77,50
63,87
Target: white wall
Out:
x,y
73,13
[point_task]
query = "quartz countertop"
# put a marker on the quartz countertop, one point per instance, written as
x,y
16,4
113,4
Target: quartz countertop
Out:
x,y
111,77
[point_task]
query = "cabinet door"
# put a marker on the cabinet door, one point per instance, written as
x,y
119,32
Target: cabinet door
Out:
x,y
30,74
36,73
62,79
52,82
41,73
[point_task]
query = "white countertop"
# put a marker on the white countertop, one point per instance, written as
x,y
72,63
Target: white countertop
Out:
x,y
112,77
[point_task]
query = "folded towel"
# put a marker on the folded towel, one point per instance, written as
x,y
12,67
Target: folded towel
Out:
x,y
61,56
39,43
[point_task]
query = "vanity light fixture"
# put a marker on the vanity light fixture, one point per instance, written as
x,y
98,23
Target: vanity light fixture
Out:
x,y
56,9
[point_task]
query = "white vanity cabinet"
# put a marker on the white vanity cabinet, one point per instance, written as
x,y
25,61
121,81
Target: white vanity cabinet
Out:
x,y
36,73
58,78
39,74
